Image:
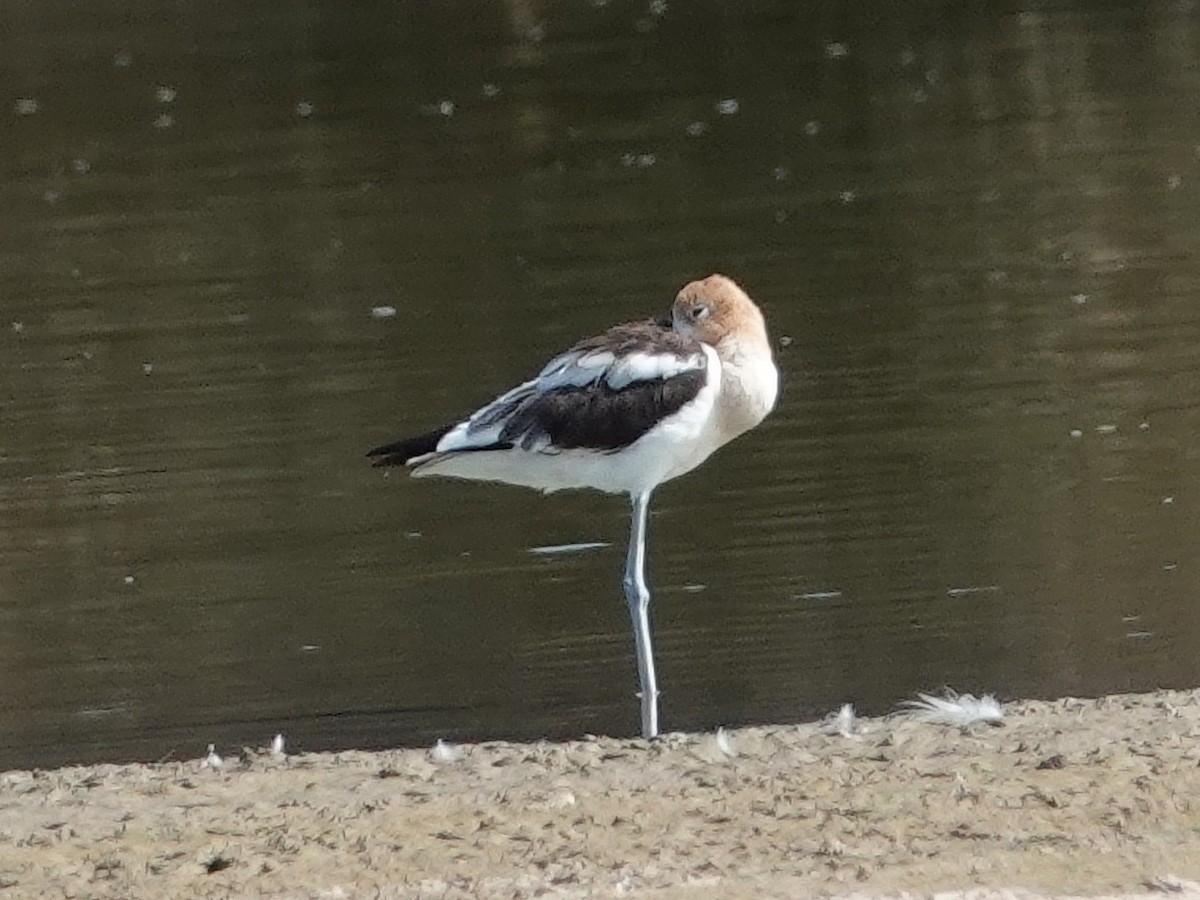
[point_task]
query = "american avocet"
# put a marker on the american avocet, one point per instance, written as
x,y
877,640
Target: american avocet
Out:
x,y
621,412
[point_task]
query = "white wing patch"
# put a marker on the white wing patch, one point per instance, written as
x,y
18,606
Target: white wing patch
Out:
x,y
650,367
579,369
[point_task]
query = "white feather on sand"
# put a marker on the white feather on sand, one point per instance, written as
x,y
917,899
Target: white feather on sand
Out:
x,y
953,708
213,759
724,742
844,722
443,752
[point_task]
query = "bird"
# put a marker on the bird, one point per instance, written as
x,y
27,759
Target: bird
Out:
x,y
621,412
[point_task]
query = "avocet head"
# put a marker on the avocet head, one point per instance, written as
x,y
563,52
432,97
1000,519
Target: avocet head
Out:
x,y
715,308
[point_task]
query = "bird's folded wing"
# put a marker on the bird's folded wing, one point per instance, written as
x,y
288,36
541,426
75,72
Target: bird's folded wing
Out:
x,y
602,394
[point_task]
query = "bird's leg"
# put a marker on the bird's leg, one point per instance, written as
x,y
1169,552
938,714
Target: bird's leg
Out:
x,y
638,596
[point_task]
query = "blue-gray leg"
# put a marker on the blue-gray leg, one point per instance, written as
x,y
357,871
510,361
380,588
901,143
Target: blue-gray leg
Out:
x,y
638,596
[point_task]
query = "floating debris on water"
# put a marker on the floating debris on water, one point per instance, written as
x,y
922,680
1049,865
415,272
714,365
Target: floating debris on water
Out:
x,y
728,107
966,591
304,109
821,595
100,712
165,94
26,106
277,745
382,312
444,108
638,160
561,549
491,90
1106,429
166,120
812,128
1076,432
697,128
837,50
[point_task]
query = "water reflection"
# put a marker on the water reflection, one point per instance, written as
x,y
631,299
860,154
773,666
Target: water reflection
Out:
x,y
975,230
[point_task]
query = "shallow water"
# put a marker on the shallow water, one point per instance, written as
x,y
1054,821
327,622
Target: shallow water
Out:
x,y
242,246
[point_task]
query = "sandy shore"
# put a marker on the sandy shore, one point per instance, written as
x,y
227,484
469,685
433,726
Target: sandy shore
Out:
x,y
1084,797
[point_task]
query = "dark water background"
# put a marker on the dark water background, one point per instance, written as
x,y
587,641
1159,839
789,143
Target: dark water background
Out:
x,y
974,231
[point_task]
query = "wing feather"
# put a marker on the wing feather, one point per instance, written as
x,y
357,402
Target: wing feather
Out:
x,y
599,416
602,394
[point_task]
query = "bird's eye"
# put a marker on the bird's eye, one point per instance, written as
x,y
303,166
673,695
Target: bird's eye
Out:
x,y
698,313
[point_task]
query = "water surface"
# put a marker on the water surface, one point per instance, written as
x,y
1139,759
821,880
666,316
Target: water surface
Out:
x,y
240,246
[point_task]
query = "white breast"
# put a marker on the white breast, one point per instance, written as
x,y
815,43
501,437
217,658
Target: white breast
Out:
x,y
749,388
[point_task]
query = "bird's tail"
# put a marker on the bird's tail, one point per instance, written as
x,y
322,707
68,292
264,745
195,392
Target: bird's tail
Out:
x,y
400,452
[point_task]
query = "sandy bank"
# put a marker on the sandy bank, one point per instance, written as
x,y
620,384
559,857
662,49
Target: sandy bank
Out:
x,y
1074,796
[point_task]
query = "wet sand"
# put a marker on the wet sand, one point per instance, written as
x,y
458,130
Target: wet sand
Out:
x,y
1081,797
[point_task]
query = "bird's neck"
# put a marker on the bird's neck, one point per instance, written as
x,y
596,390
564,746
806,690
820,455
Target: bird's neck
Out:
x,y
749,383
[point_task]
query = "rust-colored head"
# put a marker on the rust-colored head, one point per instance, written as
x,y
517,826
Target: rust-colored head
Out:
x,y
715,309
